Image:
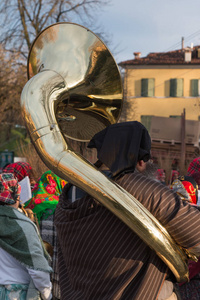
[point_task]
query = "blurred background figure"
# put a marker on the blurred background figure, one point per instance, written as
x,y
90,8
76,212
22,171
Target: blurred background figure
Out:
x,y
21,170
45,197
187,188
24,272
174,175
194,172
160,175
151,169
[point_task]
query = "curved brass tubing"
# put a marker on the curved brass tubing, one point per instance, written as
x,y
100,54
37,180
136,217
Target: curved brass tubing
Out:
x,y
44,96
69,165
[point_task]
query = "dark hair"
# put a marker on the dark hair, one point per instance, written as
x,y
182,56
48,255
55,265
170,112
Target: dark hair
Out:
x,y
98,164
120,146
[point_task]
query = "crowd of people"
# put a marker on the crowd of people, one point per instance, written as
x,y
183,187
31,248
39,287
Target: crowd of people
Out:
x,y
72,247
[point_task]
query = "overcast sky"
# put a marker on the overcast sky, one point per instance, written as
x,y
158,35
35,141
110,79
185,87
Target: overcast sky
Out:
x,y
150,26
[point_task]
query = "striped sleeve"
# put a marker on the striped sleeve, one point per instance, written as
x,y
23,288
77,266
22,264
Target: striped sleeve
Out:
x,y
180,219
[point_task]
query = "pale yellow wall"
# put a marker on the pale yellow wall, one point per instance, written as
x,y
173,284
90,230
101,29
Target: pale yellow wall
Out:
x,y
162,104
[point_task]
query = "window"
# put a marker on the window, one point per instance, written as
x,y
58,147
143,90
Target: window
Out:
x,y
147,87
176,87
174,116
146,121
195,87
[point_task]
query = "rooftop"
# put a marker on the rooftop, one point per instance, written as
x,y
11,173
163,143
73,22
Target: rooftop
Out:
x,y
185,56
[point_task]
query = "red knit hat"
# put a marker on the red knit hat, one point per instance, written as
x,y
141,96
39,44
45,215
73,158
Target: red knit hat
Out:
x,y
19,169
194,170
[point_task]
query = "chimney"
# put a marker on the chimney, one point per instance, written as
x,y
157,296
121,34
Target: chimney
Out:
x,y
188,55
182,43
137,54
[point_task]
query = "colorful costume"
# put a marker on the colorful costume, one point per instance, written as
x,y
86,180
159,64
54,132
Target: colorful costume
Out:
x,y
45,198
186,188
45,195
23,259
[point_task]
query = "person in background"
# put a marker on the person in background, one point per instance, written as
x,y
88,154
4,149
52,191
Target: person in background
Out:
x,y
99,256
194,172
187,188
174,175
45,197
151,169
21,170
24,271
160,176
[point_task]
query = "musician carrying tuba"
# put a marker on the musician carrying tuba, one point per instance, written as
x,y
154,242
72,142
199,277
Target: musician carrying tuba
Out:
x,y
102,258
117,248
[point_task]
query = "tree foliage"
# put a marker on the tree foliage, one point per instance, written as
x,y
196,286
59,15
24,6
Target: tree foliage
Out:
x,y
12,80
22,20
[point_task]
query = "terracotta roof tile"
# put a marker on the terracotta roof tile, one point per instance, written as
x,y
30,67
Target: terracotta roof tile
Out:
x,y
176,57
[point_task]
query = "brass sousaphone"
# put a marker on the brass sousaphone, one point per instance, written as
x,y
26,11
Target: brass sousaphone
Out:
x,y
74,91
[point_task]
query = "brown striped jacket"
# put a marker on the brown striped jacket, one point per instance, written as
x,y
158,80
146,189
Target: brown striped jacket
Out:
x,y
100,258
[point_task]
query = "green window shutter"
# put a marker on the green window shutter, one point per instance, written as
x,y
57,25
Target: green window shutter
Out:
x,y
146,121
144,87
147,87
172,88
176,87
174,116
194,87
151,87
179,87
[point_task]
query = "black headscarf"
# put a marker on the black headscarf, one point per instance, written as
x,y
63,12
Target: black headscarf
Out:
x,y
120,146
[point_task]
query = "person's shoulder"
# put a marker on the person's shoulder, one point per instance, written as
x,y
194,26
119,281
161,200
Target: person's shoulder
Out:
x,y
139,179
130,178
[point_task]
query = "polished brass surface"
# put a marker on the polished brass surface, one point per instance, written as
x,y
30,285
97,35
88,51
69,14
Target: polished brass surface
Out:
x,y
74,91
89,91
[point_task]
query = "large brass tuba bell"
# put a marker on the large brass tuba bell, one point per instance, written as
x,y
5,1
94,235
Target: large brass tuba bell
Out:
x,y
74,91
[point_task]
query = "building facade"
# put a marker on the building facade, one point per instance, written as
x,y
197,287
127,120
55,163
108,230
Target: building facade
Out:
x,y
162,86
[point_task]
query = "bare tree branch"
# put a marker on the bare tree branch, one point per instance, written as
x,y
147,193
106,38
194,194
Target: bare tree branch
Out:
x,y
27,18
20,22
